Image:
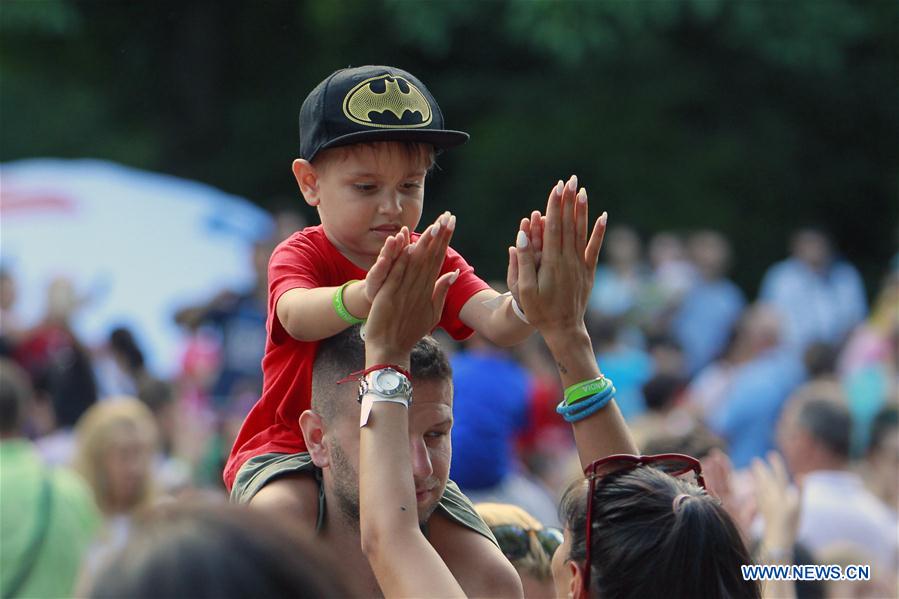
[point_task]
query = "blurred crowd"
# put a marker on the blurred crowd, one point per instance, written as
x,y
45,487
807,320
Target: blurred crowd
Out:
x,y
808,369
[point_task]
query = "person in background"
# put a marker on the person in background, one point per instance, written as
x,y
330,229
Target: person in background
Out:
x,y
820,297
117,443
629,366
526,542
869,363
836,507
484,464
239,319
11,329
217,551
747,413
47,515
882,459
622,277
62,372
673,276
666,414
711,307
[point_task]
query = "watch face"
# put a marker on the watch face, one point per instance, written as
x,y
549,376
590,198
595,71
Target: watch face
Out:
x,y
388,380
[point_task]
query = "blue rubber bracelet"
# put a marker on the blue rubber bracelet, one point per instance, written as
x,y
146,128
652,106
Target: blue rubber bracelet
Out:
x,y
587,407
565,408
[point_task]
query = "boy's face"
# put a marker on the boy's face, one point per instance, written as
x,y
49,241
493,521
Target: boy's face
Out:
x,y
364,193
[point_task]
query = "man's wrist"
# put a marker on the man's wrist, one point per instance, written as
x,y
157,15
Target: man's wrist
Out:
x,y
377,354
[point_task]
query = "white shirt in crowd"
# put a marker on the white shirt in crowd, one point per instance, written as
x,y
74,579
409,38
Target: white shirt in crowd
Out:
x,y
836,508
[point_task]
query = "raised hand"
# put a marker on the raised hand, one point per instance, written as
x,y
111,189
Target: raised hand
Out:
x,y
410,301
554,297
533,228
778,502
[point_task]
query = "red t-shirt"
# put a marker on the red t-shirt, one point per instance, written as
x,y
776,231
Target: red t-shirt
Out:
x,y
307,259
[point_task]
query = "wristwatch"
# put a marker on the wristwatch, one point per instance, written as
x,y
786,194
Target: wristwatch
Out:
x,y
386,383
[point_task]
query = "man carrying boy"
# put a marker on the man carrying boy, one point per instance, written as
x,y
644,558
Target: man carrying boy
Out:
x,y
368,136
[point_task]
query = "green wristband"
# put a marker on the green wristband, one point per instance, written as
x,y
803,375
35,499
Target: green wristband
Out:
x,y
579,391
340,308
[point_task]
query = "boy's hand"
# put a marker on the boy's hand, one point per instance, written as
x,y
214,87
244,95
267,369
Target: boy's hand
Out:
x,y
410,301
555,297
391,250
533,228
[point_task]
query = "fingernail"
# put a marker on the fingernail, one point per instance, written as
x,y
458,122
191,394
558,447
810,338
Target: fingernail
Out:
x,y
559,187
521,241
572,183
452,223
603,218
454,276
435,230
582,196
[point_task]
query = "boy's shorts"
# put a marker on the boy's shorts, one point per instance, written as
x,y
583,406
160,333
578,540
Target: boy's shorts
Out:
x,y
260,470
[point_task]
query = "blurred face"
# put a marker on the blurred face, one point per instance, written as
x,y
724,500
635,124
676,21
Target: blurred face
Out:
x,y
812,248
430,422
127,462
623,246
365,193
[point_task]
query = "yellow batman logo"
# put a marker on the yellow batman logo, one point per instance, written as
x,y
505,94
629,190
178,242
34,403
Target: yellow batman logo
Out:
x,y
362,103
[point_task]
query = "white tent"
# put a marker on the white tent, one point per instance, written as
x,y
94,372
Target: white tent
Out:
x,y
138,244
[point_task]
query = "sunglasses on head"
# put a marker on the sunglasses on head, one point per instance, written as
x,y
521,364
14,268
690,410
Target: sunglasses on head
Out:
x,y
674,464
515,541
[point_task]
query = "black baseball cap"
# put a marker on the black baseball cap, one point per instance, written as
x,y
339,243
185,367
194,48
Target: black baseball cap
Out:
x,y
372,103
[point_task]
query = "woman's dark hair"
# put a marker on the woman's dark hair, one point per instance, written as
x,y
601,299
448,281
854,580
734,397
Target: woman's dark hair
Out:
x,y
219,551
646,544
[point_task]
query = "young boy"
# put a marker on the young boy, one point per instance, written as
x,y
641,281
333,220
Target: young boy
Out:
x,y
367,140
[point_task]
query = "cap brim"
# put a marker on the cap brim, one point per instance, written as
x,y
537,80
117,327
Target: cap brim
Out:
x,y
441,139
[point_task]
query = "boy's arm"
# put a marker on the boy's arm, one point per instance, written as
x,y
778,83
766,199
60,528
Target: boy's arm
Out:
x,y
310,314
555,299
499,325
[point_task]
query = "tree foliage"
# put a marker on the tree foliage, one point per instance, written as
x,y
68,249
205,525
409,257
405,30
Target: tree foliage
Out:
x,y
749,117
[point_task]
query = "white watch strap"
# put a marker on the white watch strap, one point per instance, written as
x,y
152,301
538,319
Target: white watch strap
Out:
x,y
369,399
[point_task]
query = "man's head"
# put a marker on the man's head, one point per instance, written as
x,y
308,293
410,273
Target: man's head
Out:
x,y
367,139
331,427
814,434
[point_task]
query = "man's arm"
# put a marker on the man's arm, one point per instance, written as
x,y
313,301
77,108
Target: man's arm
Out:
x,y
555,300
407,306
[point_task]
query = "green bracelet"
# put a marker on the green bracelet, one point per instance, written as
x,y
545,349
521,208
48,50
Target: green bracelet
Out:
x,y
340,308
579,391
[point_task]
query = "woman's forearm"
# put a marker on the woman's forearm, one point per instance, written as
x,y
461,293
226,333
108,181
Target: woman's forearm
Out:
x,y
605,432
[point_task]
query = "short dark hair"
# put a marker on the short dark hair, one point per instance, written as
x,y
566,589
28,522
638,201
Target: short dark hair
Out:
x,y
204,550
344,353
828,422
662,390
15,394
643,546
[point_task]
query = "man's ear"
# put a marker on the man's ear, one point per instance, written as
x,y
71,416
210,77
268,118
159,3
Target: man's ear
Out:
x,y
307,180
576,582
313,428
